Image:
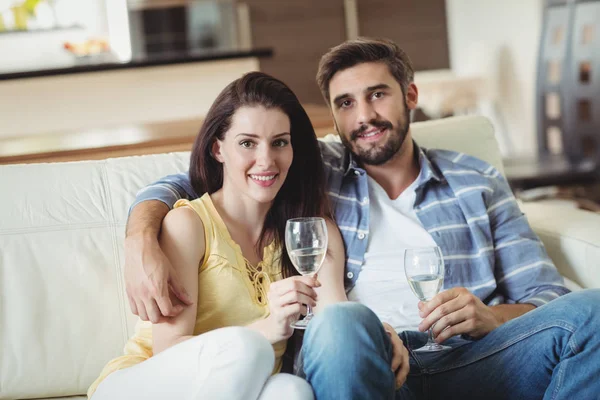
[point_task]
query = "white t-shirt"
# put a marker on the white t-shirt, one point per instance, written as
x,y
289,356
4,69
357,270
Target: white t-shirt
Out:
x,y
381,284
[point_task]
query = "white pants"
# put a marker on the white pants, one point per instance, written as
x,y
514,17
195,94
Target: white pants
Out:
x,y
228,363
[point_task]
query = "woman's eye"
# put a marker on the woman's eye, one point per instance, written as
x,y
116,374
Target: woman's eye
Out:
x,y
280,143
247,144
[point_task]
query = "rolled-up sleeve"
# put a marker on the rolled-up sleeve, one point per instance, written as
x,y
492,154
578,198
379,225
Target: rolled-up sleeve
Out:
x,y
523,270
168,190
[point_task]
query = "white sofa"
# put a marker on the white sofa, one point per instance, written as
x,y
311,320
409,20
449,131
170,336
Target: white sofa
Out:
x,y
63,310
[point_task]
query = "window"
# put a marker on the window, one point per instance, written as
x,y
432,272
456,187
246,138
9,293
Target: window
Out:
x,y
590,146
554,72
584,110
558,35
553,105
554,139
585,71
587,35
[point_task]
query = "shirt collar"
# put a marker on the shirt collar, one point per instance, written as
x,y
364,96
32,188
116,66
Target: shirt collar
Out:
x,y
352,164
428,170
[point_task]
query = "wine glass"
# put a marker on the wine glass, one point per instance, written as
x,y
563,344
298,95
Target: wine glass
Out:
x,y
424,268
306,244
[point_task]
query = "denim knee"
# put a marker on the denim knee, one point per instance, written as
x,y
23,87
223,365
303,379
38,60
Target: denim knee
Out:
x,y
586,300
339,322
578,308
343,314
347,354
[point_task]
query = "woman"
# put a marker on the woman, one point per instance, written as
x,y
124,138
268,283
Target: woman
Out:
x,y
257,160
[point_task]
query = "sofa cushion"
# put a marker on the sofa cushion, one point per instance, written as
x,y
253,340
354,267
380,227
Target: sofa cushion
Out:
x,y
63,312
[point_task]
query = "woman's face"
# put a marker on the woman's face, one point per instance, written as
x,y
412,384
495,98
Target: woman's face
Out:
x,y
256,152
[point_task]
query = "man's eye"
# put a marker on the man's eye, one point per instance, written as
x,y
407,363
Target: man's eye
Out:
x,y
280,143
345,104
247,144
378,95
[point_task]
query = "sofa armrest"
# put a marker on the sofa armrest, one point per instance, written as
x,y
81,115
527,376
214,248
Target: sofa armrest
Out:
x,y
571,237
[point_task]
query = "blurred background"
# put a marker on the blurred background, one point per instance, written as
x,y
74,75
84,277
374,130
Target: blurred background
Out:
x,y
82,79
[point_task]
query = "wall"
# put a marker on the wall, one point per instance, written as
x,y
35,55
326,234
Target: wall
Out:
x,y
499,39
98,99
300,32
30,50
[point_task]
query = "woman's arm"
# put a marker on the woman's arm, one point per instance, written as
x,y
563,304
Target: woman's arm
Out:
x,y
331,274
182,240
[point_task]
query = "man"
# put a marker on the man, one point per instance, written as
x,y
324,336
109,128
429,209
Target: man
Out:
x,y
508,335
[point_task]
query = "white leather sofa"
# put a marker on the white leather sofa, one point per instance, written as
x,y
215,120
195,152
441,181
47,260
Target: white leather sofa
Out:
x,y
63,310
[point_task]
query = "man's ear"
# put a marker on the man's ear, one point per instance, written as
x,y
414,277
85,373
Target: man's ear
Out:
x,y
412,96
216,151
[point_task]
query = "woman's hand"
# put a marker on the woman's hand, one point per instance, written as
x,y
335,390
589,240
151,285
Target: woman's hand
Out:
x,y
287,300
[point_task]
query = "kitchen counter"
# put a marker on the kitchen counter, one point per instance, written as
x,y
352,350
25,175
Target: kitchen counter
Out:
x,y
169,87
107,62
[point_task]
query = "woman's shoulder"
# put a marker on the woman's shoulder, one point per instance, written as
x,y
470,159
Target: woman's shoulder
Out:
x,y
183,225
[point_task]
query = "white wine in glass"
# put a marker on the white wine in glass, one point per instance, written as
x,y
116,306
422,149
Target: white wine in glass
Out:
x,y
426,286
424,268
306,244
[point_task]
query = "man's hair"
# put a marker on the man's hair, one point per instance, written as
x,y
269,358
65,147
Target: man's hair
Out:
x,y
362,50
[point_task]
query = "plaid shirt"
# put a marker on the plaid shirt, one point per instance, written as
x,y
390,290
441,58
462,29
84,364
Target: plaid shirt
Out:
x,y
464,203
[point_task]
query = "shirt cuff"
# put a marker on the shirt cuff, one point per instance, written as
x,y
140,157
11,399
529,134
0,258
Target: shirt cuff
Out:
x,y
541,298
168,197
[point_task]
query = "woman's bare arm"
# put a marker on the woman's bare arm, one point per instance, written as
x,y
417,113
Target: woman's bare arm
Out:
x,y
182,240
150,278
331,274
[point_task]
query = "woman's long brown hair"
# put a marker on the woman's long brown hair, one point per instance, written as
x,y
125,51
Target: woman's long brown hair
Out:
x,y
303,192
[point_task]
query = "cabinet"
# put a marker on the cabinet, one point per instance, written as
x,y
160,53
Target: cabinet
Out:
x,y
301,31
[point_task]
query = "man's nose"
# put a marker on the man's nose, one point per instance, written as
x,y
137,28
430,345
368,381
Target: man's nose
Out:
x,y
366,113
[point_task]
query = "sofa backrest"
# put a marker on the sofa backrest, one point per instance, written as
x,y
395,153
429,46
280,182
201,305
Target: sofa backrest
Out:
x,y
63,310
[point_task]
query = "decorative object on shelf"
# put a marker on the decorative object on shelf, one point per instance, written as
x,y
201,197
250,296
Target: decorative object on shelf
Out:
x,y
88,47
22,15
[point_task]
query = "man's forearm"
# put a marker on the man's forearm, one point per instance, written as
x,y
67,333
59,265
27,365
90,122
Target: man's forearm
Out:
x,y
506,312
146,218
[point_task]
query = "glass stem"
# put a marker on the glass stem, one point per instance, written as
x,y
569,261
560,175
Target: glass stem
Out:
x,y
309,313
430,340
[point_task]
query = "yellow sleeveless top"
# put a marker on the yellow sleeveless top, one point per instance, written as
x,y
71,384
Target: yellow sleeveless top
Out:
x,y
231,291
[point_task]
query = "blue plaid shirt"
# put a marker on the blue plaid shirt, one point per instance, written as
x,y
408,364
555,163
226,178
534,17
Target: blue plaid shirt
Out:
x,y
464,203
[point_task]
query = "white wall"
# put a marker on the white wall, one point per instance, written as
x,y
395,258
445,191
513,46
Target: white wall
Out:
x,y
42,50
499,39
98,99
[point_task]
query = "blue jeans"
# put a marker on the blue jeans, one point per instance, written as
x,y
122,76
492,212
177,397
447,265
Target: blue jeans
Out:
x,y
552,352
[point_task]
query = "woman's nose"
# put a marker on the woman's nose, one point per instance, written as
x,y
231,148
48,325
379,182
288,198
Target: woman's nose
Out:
x,y
265,157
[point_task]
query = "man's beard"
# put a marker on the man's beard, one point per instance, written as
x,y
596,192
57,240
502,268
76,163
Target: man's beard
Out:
x,y
378,155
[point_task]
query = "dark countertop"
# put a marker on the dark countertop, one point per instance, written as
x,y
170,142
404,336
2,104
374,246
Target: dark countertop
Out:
x,y
107,62
529,173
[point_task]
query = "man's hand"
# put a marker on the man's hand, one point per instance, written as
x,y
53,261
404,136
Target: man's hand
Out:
x,y
400,363
457,311
148,278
